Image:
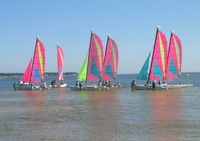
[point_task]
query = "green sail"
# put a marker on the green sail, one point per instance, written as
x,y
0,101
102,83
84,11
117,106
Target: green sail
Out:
x,y
83,71
144,71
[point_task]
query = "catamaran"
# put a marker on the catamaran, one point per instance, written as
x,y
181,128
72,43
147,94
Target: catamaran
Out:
x,y
35,70
92,68
60,63
157,66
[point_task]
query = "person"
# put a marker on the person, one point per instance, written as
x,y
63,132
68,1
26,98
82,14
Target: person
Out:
x,y
109,84
81,86
103,83
77,84
44,85
154,84
100,83
106,83
133,83
33,85
54,82
118,84
62,82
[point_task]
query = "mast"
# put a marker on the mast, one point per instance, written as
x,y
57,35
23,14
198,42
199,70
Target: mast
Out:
x,y
33,59
89,54
105,53
153,51
57,61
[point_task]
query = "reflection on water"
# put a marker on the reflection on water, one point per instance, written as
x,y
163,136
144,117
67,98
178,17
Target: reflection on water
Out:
x,y
114,115
165,113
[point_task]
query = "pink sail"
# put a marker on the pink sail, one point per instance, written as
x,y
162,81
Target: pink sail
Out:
x,y
95,58
38,67
110,60
60,55
26,76
174,60
159,58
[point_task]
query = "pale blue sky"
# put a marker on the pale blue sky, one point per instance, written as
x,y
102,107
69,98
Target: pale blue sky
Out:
x,y
131,23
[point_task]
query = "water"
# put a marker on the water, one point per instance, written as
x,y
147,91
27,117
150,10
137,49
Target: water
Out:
x,y
115,115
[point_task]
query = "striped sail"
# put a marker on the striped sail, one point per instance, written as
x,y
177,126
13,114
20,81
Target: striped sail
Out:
x,y
38,67
60,59
159,58
174,61
110,60
26,76
95,58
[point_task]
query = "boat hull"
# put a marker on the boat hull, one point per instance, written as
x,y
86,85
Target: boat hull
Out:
x,y
28,87
149,87
89,88
58,86
180,86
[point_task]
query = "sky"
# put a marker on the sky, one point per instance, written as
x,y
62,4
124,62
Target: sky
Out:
x,y
131,23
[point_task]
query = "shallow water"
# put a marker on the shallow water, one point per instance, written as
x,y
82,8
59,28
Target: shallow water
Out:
x,y
114,115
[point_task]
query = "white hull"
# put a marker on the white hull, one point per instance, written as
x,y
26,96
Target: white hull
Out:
x,y
180,86
28,87
58,86
89,88
149,87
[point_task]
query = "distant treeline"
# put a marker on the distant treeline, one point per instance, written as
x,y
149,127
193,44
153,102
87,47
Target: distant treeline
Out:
x,y
47,74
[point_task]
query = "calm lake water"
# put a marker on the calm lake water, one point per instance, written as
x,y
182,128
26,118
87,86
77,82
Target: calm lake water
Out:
x,y
114,115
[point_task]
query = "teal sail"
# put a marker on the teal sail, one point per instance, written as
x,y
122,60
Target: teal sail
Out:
x,y
144,71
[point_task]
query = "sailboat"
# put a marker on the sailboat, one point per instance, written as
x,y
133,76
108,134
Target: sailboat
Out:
x,y
60,63
110,64
92,68
174,61
158,63
35,70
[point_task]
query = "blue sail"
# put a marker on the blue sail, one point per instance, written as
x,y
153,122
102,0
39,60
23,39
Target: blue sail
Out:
x,y
144,71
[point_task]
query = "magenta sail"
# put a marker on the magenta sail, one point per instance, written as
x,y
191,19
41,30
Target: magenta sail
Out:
x,y
159,58
26,76
38,67
95,58
110,61
60,55
174,61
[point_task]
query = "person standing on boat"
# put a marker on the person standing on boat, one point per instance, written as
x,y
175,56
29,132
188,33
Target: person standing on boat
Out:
x,y
154,84
133,83
81,86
